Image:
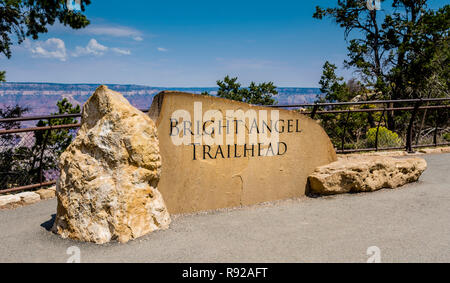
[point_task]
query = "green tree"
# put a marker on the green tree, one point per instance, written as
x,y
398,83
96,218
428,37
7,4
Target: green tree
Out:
x,y
50,144
365,52
23,164
12,112
30,18
420,38
58,140
401,53
8,172
258,94
335,89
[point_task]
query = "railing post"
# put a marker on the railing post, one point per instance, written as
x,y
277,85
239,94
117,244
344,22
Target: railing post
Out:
x,y
313,113
436,128
378,128
344,131
44,145
409,135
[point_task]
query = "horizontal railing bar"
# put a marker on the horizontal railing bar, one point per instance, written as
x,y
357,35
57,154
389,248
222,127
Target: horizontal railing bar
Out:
x,y
46,117
35,129
28,187
287,106
390,148
376,109
367,149
77,115
361,102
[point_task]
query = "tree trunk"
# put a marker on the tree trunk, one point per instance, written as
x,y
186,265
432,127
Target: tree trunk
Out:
x,y
391,118
421,126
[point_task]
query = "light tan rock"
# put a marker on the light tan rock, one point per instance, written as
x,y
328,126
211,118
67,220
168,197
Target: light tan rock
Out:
x,y
435,150
365,174
46,193
52,188
107,189
9,199
375,153
29,197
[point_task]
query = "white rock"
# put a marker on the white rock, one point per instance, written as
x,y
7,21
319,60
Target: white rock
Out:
x,y
52,188
365,174
46,193
8,199
107,189
29,197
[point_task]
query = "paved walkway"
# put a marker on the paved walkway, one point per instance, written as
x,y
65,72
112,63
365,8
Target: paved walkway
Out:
x,y
411,224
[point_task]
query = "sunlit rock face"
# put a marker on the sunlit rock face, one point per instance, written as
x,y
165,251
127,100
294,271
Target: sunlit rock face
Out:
x,y
365,174
109,174
224,153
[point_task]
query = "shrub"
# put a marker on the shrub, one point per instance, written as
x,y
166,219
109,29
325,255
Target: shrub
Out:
x,y
447,137
386,138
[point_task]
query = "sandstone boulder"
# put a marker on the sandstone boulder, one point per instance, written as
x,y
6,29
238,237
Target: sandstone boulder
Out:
x,y
52,188
435,150
29,197
365,174
46,193
9,199
107,189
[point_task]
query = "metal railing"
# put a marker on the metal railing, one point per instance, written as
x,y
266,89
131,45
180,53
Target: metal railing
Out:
x,y
389,105
20,140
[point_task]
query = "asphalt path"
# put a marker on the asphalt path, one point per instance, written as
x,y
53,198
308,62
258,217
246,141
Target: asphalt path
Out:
x,y
409,224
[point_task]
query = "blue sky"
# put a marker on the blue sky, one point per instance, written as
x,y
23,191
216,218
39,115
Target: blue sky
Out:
x,y
186,43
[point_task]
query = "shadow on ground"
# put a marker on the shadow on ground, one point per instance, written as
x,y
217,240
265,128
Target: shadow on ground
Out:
x,y
49,224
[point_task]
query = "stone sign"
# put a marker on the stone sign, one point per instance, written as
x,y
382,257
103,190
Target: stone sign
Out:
x,y
218,153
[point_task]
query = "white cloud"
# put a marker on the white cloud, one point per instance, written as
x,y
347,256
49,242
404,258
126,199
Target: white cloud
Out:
x,y
55,48
92,48
117,31
162,49
95,48
51,48
121,51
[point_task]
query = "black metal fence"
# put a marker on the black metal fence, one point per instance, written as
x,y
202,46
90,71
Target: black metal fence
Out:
x,y
30,160
382,107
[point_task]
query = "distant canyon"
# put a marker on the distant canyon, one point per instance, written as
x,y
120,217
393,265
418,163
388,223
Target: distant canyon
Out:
x,y
41,98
